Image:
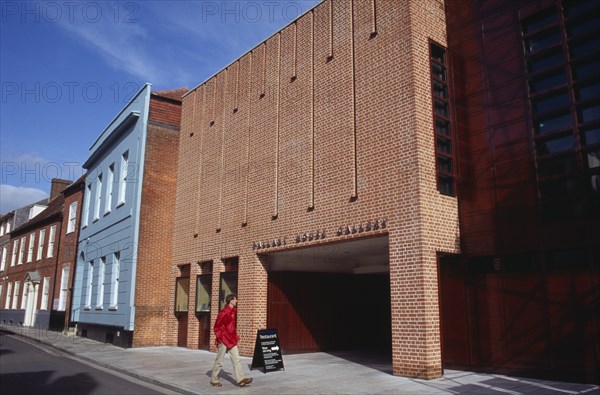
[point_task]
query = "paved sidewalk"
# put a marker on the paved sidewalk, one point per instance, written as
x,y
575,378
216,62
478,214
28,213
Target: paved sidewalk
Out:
x,y
188,372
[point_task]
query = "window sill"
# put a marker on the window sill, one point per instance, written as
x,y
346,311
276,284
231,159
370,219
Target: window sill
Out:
x,y
121,204
69,232
95,219
106,213
87,308
99,308
113,308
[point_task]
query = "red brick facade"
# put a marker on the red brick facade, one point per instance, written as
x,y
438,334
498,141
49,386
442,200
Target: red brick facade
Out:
x,y
326,123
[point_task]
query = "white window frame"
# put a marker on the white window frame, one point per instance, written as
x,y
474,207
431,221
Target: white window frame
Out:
x,y
64,283
123,177
24,296
98,197
116,269
90,279
45,293
109,188
86,207
3,260
51,237
72,217
13,259
22,250
31,246
1,230
8,300
7,227
15,295
40,248
100,285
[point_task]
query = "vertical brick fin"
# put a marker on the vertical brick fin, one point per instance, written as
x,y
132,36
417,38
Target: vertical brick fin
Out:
x,y
220,219
330,56
295,53
214,103
373,17
264,76
201,157
311,203
277,117
354,194
237,84
249,129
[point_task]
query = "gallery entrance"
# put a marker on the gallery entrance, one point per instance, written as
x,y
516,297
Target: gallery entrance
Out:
x,y
332,298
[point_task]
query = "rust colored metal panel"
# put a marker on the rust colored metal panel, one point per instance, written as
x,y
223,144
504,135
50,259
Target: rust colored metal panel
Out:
x,y
182,333
203,331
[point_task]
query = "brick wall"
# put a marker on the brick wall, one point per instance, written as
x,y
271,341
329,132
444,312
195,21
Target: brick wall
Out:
x,y
154,252
321,125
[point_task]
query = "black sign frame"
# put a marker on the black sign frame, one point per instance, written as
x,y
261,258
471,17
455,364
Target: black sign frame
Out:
x,y
267,351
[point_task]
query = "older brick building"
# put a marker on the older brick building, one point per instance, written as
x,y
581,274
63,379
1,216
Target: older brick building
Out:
x,y
308,183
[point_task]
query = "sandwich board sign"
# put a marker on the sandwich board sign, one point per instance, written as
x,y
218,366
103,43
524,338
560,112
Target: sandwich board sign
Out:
x,y
267,352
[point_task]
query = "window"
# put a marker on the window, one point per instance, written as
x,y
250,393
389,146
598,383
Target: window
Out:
x,y
22,250
72,217
562,52
24,296
182,290
15,295
123,177
116,268
100,285
109,188
13,259
98,197
203,287
86,207
8,227
40,247
51,238
45,293
30,249
8,296
3,261
441,120
64,284
228,286
90,278
1,230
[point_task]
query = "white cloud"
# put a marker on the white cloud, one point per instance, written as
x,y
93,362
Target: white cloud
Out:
x,y
12,197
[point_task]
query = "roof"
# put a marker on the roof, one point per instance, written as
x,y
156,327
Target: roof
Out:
x,y
77,183
173,94
54,208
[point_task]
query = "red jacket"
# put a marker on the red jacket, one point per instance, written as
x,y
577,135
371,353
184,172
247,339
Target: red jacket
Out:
x,y
225,327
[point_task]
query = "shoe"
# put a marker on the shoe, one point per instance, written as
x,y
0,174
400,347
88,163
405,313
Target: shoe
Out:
x,y
216,383
245,381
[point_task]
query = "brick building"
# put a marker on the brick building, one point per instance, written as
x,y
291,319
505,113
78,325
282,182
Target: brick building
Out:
x,y
36,289
122,279
371,176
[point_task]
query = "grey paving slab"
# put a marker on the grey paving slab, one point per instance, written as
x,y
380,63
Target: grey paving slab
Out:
x,y
188,372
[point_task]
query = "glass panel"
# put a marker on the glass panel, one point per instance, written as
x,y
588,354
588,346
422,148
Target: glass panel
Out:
x,y
587,69
446,185
228,286
592,136
557,166
586,48
577,7
438,53
588,91
440,108
588,114
539,21
547,125
559,188
542,41
442,126
539,63
580,28
203,286
444,145
438,71
551,103
555,145
547,82
444,164
182,288
593,159
440,90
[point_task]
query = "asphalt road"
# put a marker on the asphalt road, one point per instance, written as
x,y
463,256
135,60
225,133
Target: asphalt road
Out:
x,y
26,368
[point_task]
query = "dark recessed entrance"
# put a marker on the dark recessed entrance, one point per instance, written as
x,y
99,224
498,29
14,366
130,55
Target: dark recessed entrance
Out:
x,y
332,298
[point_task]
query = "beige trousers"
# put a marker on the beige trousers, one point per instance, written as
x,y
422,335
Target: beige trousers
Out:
x,y
234,354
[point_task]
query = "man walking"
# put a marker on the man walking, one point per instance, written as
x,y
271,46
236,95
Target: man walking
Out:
x,y
227,340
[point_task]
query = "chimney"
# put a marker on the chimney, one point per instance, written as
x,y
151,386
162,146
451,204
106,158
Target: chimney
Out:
x,y
58,185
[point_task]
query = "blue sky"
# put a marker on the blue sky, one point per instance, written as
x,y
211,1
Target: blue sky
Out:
x,y
68,67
